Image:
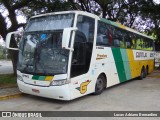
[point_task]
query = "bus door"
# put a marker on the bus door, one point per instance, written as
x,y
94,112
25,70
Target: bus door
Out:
x,y
81,59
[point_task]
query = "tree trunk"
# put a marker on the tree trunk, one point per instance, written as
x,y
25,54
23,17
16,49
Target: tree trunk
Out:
x,y
13,54
104,14
14,57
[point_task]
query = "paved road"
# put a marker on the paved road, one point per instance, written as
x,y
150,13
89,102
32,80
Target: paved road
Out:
x,y
135,95
5,67
132,95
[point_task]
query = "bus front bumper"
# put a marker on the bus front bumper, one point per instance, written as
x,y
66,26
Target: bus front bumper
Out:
x,y
54,92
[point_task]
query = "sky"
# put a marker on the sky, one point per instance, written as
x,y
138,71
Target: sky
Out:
x,y
157,1
20,18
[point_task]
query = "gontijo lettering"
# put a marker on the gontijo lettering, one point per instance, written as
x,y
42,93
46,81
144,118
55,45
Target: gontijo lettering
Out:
x,y
141,54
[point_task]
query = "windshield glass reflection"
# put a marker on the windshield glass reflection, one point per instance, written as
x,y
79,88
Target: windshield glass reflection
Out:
x,y
41,53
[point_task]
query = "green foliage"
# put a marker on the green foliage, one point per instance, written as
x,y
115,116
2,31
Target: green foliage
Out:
x,y
124,11
7,79
41,6
3,52
2,56
142,15
26,8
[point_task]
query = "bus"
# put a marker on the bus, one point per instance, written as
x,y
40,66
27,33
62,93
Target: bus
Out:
x,y
66,55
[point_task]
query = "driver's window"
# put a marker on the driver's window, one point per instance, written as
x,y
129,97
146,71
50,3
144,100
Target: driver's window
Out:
x,y
83,45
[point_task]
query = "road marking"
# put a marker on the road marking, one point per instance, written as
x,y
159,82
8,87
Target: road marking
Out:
x,y
5,97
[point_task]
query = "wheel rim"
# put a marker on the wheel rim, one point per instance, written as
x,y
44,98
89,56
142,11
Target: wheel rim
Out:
x,y
99,84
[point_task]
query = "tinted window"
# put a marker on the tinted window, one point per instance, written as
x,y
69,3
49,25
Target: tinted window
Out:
x,y
83,46
104,34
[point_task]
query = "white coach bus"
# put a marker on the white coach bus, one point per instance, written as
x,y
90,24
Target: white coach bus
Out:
x,y
66,55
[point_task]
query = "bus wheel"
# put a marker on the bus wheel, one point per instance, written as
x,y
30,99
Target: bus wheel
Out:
x,y
147,70
99,85
143,74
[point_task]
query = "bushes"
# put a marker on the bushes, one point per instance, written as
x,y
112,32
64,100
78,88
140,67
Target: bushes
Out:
x,y
2,52
2,56
7,79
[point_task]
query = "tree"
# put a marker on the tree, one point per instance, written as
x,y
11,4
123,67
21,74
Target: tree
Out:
x,y
151,10
11,7
124,11
142,15
27,8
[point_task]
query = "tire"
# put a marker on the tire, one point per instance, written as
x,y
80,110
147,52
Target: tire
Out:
x,y
99,85
147,70
143,74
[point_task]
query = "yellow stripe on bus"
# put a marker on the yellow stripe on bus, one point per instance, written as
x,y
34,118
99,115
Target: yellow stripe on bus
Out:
x,y
48,78
133,64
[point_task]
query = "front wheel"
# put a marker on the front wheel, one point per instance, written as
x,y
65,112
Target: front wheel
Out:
x,y
99,85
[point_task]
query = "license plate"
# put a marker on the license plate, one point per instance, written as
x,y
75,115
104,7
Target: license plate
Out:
x,y
35,90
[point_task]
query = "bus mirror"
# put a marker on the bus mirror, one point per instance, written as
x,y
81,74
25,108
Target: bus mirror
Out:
x,y
17,35
67,37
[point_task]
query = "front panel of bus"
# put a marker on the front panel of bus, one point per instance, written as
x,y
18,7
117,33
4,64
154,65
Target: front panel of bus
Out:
x,y
43,65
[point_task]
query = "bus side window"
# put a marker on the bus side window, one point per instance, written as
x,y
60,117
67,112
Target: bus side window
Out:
x,y
116,41
103,34
133,38
138,42
79,49
110,36
128,40
151,44
121,38
142,43
147,44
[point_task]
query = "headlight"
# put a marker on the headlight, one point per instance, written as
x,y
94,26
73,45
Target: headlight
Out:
x,y
19,78
58,82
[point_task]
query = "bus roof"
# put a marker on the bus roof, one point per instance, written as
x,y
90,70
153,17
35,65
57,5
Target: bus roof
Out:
x,y
66,12
116,24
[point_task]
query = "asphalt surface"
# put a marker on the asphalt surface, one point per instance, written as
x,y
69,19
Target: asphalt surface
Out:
x,y
135,95
9,91
5,67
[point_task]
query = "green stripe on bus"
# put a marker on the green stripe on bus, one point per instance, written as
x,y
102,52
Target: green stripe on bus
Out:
x,y
119,64
42,78
104,20
35,77
126,63
109,22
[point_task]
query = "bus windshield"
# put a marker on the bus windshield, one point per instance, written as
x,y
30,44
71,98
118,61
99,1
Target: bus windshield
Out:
x,y
52,22
40,51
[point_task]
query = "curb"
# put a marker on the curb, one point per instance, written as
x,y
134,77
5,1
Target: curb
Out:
x,y
157,71
5,97
154,76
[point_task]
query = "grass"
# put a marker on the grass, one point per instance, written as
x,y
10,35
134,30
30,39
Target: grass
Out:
x,y
2,56
8,79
